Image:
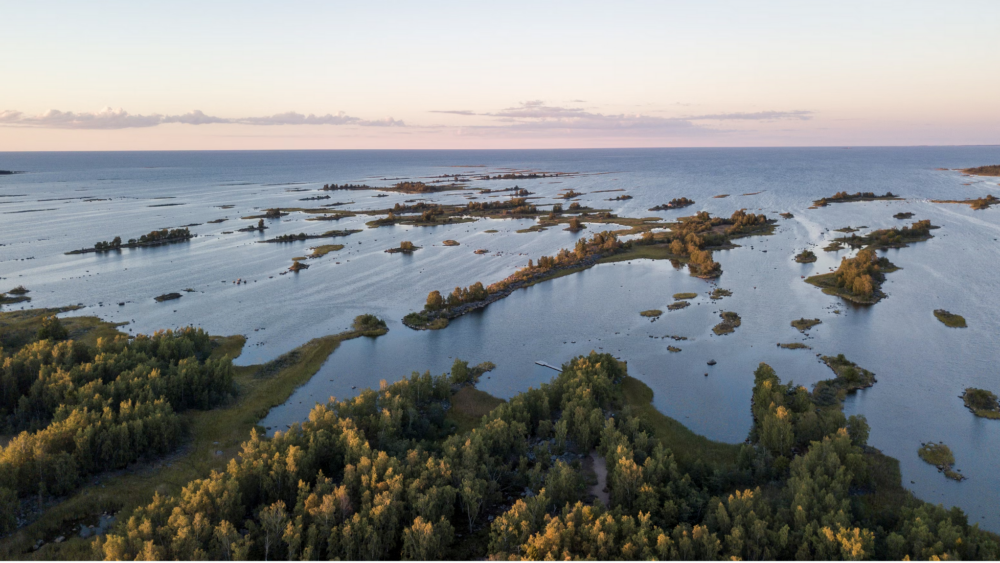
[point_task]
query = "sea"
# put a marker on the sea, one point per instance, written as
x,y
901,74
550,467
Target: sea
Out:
x,y
59,202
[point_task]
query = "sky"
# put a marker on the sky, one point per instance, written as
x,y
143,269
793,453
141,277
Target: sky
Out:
x,y
228,75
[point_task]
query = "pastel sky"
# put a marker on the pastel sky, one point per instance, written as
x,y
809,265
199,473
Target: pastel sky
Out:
x,y
425,75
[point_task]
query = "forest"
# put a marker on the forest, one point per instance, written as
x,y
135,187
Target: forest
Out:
x,y
77,410
385,475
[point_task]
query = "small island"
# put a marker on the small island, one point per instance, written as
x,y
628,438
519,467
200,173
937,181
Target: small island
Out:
x,y
719,293
950,319
167,297
678,305
450,242
679,296
405,247
303,236
19,293
989,170
622,197
903,215
844,197
940,456
675,203
805,257
850,376
730,321
977,204
651,313
982,403
153,238
857,279
895,237
805,324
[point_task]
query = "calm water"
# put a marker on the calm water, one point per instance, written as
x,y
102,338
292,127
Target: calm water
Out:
x,y
922,366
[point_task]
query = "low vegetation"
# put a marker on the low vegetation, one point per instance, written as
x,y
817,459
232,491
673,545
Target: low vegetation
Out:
x,y
651,313
844,197
940,456
153,238
857,279
730,321
405,247
895,237
950,319
324,249
805,324
677,305
303,236
982,403
719,293
795,346
990,170
679,296
805,257
675,203
979,203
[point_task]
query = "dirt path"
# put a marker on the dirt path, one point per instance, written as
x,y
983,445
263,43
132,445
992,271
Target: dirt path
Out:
x,y
600,490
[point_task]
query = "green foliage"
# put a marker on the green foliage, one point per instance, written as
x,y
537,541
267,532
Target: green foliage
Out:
x,y
382,476
982,402
81,411
9,507
52,329
950,319
369,323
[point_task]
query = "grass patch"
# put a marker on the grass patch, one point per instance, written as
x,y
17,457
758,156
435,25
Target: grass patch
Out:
x,y
677,305
450,242
730,321
795,346
324,249
687,446
719,293
469,406
950,319
652,313
982,403
491,231
680,296
420,321
805,324
940,456
673,349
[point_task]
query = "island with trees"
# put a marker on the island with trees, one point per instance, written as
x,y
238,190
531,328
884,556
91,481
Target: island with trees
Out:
x,y
805,257
153,238
844,197
405,247
857,279
989,170
675,203
982,403
17,295
293,237
896,237
978,204
940,456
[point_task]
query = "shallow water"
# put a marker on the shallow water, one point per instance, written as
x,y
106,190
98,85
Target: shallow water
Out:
x,y
921,365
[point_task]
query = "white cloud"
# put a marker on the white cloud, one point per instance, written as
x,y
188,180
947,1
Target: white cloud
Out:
x,y
801,115
109,118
